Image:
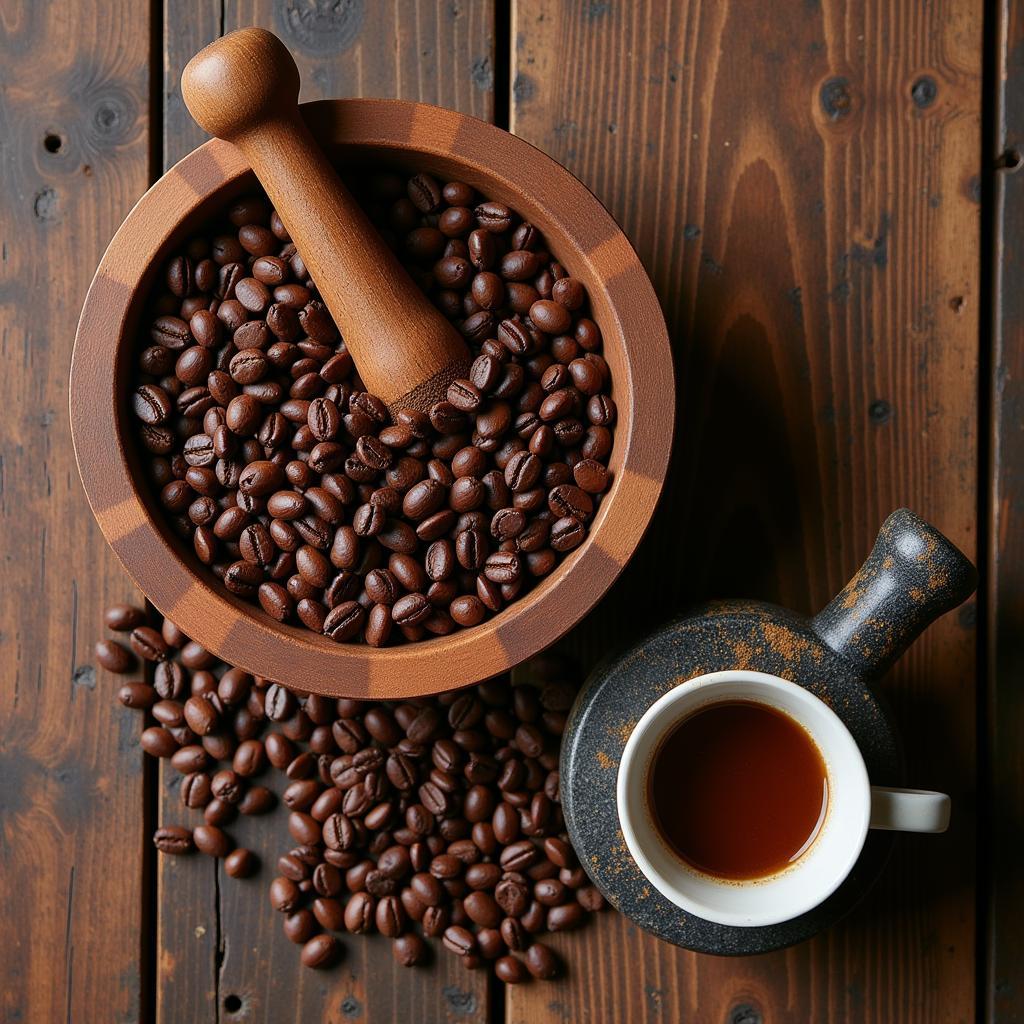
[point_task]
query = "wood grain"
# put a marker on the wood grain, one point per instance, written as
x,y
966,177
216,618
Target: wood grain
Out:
x,y
439,53
804,191
74,116
1005,594
210,925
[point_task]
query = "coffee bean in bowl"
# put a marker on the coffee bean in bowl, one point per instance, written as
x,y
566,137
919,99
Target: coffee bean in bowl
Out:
x,y
311,498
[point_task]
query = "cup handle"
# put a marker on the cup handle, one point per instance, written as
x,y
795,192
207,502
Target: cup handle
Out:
x,y
909,810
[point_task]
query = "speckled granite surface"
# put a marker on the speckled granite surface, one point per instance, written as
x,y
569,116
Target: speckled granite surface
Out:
x,y
725,635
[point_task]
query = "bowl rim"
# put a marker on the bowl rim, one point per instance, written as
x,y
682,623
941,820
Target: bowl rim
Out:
x,y
241,633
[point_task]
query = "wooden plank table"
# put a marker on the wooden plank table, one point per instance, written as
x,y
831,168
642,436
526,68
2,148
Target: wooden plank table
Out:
x,y
826,198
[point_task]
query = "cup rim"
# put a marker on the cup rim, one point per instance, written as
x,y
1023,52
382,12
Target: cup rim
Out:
x,y
630,815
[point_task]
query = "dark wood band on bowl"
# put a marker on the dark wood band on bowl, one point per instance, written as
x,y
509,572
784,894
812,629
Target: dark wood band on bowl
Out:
x,y
585,239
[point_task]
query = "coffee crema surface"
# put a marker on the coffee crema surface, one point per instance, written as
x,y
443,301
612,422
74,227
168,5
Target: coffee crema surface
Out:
x,y
738,790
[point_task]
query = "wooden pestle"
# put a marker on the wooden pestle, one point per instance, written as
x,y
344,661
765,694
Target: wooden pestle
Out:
x,y
244,89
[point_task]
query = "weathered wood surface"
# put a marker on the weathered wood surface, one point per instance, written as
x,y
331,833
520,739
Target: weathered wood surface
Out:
x,y
804,191
439,53
1004,823
73,158
219,941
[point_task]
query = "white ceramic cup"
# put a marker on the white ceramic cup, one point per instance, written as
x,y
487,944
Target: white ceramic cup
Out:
x,y
854,806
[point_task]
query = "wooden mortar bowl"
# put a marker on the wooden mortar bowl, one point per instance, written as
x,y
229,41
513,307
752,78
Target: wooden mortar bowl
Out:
x,y
582,236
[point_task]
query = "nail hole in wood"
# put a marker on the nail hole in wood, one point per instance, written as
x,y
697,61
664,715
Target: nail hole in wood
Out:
x,y
745,1014
880,411
836,101
924,91
1010,160
232,1003
52,143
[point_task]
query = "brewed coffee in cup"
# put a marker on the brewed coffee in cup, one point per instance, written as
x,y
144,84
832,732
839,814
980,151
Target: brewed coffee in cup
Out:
x,y
745,800
738,790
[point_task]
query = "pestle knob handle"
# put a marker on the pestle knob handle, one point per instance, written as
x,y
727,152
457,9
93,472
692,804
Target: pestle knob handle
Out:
x,y
244,89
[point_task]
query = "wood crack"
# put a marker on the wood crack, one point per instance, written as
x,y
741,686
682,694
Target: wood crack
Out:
x,y
69,947
221,947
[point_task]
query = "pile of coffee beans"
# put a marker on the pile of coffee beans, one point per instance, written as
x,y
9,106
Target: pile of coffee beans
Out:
x,y
303,492
434,818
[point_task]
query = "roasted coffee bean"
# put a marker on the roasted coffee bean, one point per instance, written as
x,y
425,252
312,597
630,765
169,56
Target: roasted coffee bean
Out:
x,y
114,657
360,913
137,695
158,742
541,961
409,950
173,839
503,567
418,819
212,841
219,812
551,317
489,943
510,970
148,643
249,757
228,786
339,833
425,193
390,916
240,863
195,790
190,758
589,898
411,610
329,913
151,404
512,895
534,917
550,892
300,926
344,621
257,800
459,940
123,618
559,852
565,917
320,951
482,909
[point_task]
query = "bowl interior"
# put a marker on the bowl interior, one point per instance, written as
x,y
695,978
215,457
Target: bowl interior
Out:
x,y
579,233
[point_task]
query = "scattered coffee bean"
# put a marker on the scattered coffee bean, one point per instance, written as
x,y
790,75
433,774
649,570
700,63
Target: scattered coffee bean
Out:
x,y
320,951
211,840
409,949
173,839
137,695
240,863
148,643
114,657
436,818
123,618
541,961
510,970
